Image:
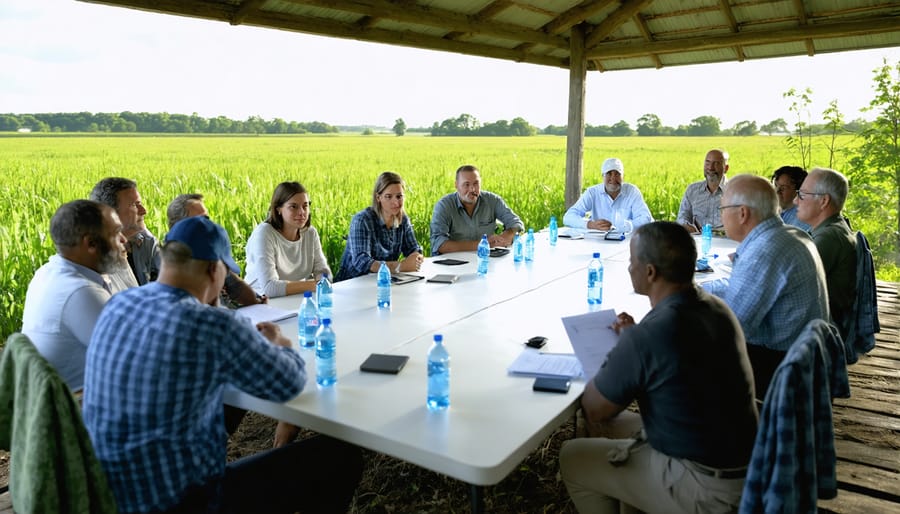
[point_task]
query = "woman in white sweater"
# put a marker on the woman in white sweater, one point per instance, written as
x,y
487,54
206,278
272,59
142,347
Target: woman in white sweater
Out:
x,y
284,253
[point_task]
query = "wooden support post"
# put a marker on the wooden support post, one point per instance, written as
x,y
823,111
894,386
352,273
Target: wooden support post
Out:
x,y
575,133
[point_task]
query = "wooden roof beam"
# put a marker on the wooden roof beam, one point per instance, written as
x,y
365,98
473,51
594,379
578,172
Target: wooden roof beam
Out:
x,y
615,20
867,26
732,22
648,36
804,20
492,9
244,9
439,18
411,39
575,15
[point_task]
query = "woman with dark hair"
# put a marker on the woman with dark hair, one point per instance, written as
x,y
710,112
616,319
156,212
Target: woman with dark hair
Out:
x,y
382,232
284,253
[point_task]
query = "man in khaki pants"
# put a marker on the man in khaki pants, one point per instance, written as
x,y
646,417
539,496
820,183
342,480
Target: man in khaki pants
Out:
x,y
686,365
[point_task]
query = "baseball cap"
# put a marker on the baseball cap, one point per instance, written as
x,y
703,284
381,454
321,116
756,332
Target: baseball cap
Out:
x,y
207,240
613,164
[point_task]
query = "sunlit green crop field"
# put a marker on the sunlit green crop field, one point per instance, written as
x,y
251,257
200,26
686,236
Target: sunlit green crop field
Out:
x,y
238,174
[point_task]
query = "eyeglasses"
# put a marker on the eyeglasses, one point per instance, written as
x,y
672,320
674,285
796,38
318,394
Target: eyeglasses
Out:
x,y
801,193
721,207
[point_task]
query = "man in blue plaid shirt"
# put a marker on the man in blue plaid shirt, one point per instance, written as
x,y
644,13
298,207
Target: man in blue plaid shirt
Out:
x,y
777,284
159,360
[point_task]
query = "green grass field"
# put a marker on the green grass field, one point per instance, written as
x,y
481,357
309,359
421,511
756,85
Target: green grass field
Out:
x,y
238,174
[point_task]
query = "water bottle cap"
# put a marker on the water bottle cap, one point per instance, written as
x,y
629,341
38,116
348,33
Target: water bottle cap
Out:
x,y
438,338
307,294
596,255
531,231
552,218
326,321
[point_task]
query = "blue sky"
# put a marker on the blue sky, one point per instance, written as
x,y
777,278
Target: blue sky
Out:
x,y
64,55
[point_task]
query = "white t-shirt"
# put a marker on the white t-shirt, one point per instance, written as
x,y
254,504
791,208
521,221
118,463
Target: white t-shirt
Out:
x,y
273,261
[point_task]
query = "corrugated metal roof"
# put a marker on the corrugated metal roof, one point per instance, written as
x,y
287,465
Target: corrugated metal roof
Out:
x,y
624,34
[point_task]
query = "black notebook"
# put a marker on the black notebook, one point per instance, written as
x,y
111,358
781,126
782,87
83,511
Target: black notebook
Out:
x,y
450,262
383,363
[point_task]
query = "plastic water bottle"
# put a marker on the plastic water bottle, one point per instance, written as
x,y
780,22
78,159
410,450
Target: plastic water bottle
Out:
x,y
326,367
438,375
706,237
529,245
554,231
384,287
595,280
484,253
518,249
324,296
307,321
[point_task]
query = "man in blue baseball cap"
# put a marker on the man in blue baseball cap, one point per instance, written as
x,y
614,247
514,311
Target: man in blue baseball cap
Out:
x,y
159,360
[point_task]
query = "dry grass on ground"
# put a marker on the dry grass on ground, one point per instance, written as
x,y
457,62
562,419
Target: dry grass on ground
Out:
x,y
392,486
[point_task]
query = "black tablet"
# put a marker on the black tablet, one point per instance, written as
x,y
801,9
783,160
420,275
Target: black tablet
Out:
x,y
384,363
499,251
404,278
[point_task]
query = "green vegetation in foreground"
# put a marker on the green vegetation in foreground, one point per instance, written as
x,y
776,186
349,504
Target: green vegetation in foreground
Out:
x,y
238,174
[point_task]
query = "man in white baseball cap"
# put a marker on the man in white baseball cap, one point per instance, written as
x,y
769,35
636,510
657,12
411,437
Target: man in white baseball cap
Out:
x,y
612,204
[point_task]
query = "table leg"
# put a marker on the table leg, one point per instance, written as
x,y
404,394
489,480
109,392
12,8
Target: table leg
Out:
x,y
476,498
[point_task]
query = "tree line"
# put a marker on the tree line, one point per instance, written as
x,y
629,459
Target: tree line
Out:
x,y
462,125
647,125
160,122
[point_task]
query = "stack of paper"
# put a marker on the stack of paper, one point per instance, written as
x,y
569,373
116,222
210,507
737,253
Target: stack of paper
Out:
x,y
592,338
263,312
532,363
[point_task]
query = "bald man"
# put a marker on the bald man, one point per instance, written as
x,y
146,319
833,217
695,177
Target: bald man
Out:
x,y
777,284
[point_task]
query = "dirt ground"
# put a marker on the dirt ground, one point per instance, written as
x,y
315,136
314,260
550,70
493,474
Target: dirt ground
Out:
x,y
391,486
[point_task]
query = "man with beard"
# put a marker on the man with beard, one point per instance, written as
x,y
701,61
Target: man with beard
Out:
x,y
143,249
66,295
461,218
610,203
700,203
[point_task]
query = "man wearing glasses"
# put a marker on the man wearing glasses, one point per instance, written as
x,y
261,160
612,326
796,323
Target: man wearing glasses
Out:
x,y
787,180
819,202
777,284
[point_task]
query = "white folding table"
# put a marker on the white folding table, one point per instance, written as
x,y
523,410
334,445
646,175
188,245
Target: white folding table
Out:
x,y
495,420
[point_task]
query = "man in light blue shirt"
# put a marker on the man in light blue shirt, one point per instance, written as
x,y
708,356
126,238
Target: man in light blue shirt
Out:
x,y
461,218
777,284
787,181
610,203
66,295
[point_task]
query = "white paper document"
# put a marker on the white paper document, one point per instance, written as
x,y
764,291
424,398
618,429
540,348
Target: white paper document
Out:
x,y
260,312
591,338
532,363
